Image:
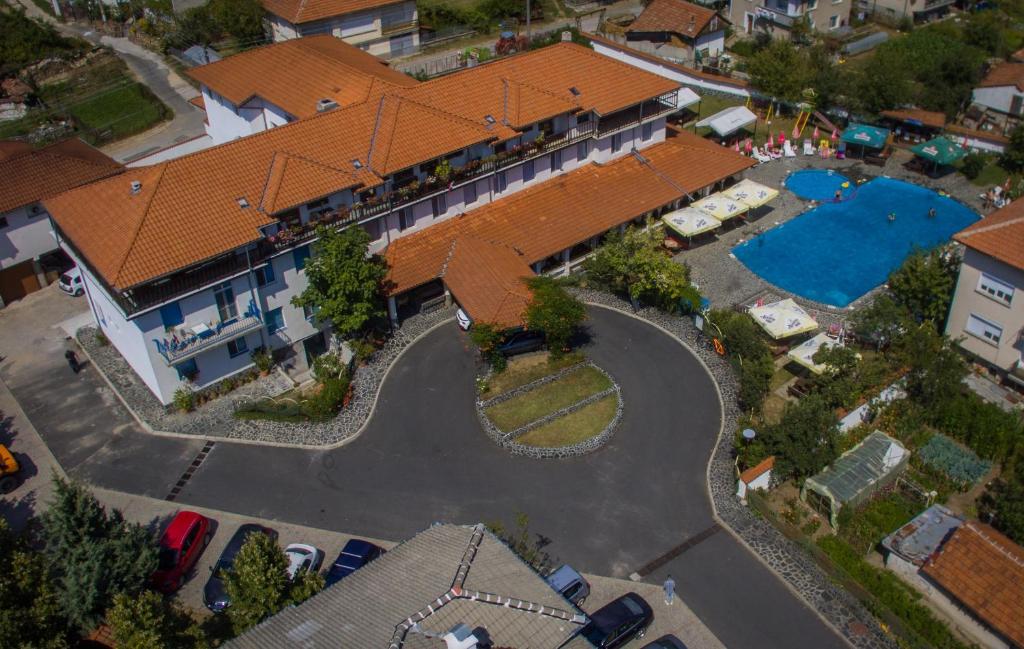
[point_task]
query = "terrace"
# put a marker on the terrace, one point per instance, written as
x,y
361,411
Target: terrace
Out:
x,y
201,337
635,115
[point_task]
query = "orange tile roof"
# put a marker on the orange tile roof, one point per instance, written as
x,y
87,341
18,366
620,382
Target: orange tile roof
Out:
x,y
999,235
984,570
983,135
677,16
307,11
700,74
548,218
198,102
1004,74
196,196
295,74
926,117
488,281
758,470
29,175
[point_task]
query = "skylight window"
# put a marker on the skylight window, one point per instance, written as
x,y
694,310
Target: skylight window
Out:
x,y
243,202
489,119
575,91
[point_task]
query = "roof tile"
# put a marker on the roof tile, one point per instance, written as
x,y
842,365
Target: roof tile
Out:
x,y
999,235
305,11
677,16
1004,74
29,175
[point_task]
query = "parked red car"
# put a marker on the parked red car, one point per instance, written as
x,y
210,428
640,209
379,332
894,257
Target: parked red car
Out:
x,y
180,547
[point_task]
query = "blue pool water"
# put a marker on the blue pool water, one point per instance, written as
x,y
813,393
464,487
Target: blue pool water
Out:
x,y
837,252
818,184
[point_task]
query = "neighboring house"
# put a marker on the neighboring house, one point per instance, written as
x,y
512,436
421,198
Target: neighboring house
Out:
x,y
679,30
14,95
757,477
982,572
1002,89
276,84
987,314
448,586
29,254
777,16
192,263
381,27
917,10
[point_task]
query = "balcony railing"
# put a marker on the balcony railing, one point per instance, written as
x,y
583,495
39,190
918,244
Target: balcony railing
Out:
x,y
633,116
190,344
387,29
777,16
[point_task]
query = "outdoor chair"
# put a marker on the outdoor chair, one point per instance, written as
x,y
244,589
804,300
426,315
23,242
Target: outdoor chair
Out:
x,y
808,147
787,148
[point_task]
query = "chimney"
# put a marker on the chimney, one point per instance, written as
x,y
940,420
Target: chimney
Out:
x,y
693,23
136,187
325,105
566,36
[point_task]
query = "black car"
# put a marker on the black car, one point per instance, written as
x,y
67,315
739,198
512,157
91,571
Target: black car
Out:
x,y
215,595
665,642
618,622
356,554
522,342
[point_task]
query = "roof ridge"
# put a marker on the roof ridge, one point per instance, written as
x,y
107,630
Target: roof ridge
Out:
x,y
270,173
138,227
1013,220
995,544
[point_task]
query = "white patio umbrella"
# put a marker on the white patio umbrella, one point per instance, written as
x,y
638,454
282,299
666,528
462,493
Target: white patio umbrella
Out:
x,y
750,193
783,319
721,207
690,222
805,351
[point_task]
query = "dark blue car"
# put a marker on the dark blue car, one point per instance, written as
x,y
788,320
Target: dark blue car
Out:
x,y
356,554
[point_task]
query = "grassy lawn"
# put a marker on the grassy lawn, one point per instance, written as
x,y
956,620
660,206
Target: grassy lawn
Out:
x,y
525,369
773,407
548,398
992,174
119,113
781,376
711,104
575,427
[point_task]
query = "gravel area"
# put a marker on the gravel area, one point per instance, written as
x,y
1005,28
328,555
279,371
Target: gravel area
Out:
x,y
726,281
786,558
214,419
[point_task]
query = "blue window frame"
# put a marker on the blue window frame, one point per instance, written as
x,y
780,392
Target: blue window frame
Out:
x,y
582,150
301,255
265,275
469,193
647,131
501,181
405,220
171,315
275,320
187,370
528,171
556,160
237,347
616,142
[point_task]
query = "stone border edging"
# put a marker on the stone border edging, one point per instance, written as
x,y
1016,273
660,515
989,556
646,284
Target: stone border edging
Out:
x,y
794,568
523,389
507,440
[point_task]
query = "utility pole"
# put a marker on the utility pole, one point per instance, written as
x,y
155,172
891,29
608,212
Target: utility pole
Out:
x,y
527,22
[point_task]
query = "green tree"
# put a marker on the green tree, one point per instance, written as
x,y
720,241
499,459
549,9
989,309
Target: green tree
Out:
x,y
487,336
806,438
1003,502
936,369
986,30
883,82
148,621
1013,156
194,26
26,40
345,283
243,19
748,353
94,554
30,611
924,284
882,321
555,312
839,383
779,70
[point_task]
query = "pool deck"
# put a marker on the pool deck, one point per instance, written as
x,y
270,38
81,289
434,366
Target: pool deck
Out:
x,y
727,282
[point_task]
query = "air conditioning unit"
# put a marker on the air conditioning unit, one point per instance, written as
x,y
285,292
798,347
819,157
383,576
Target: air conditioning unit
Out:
x,y
325,105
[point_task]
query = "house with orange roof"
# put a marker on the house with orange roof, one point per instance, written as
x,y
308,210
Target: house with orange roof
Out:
x,y
380,27
1002,89
467,184
987,313
29,255
678,30
276,84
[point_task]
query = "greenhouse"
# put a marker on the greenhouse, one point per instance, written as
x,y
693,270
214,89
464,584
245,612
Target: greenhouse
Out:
x,y
858,473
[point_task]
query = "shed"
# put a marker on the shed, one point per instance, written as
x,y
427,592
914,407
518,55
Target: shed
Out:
x,y
909,547
858,473
756,477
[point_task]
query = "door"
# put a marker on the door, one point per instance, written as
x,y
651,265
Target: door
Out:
x,y
314,346
1016,104
749,24
18,281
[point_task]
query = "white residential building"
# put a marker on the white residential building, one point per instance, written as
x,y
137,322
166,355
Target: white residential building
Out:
x,y
380,27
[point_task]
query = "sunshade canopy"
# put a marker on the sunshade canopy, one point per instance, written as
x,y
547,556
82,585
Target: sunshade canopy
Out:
x,y
686,97
939,150
872,137
729,120
690,221
721,207
750,193
783,318
805,351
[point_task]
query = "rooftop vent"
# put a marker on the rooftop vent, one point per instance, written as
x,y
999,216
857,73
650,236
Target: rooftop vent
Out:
x,y
489,119
693,23
575,91
136,186
325,105
357,164
243,202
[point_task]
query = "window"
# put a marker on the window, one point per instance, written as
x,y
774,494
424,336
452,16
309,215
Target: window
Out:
x,y
469,193
556,160
171,315
528,172
3,221
308,312
439,204
317,207
275,321
833,22
616,142
405,219
647,131
582,150
301,255
187,370
996,289
984,329
583,119
372,228
237,347
501,181
812,5
265,275
225,297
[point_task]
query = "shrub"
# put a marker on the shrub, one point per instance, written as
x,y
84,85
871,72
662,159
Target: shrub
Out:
x,y
960,465
271,410
328,366
262,360
555,312
184,399
987,429
327,402
101,339
749,355
973,164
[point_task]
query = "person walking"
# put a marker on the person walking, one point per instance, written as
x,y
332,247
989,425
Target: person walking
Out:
x,y
670,590
72,360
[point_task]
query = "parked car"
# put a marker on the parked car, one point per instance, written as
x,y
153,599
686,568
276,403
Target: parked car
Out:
x,y
180,547
465,322
569,584
71,282
215,595
618,622
522,342
302,557
665,642
356,554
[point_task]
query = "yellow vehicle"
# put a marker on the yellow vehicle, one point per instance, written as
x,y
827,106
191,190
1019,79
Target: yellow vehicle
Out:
x,y
9,469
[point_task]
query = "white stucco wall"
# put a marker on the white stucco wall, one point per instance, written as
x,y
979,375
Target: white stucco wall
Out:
x,y
26,236
226,122
669,71
1000,98
714,42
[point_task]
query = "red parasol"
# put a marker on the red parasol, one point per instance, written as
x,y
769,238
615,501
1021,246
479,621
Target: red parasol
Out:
x,y
835,135
796,132
748,145
817,134
782,138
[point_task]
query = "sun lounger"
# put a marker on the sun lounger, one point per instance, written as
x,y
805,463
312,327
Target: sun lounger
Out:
x,y
787,148
808,147
760,156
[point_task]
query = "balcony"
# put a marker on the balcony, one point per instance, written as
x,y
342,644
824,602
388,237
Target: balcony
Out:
x,y
203,337
398,27
778,16
635,115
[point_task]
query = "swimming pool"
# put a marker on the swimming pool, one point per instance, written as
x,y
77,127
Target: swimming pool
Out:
x,y
818,184
837,252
